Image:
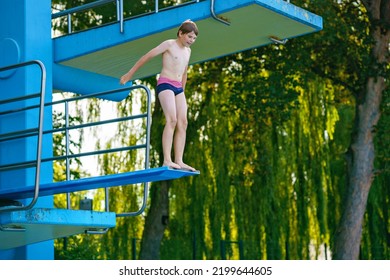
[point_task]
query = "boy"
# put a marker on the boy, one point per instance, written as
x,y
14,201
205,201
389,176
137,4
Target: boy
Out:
x,y
170,90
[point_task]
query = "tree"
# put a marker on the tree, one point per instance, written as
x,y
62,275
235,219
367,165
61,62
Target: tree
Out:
x,y
359,30
157,218
368,102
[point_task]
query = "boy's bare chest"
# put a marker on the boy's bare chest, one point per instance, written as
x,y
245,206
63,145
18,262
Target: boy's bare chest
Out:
x,y
178,56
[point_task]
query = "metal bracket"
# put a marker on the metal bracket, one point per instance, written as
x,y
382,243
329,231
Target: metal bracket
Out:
x,y
97,231
12,228
277,40
218,18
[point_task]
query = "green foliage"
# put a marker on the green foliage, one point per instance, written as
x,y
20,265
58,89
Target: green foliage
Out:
x,y
376,233
257,171
269,130
79,247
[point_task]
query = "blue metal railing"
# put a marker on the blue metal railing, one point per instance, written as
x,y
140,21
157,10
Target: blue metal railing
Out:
x,y
68,13
119,10
37,131
66,128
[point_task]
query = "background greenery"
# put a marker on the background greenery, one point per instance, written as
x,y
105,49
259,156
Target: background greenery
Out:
x,y
269,130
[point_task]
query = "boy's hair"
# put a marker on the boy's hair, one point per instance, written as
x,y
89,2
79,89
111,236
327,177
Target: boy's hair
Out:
x,y
187,27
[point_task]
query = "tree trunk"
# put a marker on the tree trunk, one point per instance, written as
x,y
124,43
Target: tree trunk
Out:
x,y
349,233
156,222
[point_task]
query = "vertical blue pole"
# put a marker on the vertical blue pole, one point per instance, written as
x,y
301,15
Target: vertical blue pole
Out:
x,y
25,34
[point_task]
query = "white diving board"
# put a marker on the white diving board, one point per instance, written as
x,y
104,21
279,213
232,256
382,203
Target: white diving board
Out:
x,y
127,178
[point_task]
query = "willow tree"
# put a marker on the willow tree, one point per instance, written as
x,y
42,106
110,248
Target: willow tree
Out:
x,y
353,52
256,131
348,30
363,26
157,217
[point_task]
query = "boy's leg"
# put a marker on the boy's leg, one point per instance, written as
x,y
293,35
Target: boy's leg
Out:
x,y
181,130
167,101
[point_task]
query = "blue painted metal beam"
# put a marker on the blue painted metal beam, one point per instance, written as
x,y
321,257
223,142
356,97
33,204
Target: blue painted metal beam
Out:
x,y
105,50
135,177
21,228
26,24
96,39
83,82
104,37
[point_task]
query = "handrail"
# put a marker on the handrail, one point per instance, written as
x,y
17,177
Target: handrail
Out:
x,y
82,8
39,128
88,6
213,14
145,146
119,11
67,127
147,155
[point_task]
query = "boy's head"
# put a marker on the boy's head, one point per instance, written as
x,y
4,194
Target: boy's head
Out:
x,y
187,27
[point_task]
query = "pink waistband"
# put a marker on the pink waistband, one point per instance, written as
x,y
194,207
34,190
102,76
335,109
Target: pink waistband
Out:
x,y
163,80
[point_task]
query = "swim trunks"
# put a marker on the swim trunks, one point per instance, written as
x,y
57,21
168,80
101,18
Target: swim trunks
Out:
x,y
165,83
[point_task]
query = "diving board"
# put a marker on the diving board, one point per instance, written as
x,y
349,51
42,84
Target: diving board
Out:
x,y
106,51
140,176
20,228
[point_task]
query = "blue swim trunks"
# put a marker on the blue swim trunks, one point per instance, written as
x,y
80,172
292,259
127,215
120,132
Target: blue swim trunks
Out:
x,y
165,83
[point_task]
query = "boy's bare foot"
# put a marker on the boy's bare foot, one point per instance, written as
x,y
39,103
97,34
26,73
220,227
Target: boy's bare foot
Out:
x,y
171,165
186,167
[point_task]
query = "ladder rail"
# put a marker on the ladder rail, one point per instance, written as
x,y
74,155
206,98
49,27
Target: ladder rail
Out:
x,y
147,165
66,128
39,128
119,11
146,146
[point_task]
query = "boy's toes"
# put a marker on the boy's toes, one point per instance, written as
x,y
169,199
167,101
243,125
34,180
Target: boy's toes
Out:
x,y
187,167
172,165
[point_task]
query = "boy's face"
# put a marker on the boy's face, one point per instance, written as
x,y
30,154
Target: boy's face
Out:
x,y
187,39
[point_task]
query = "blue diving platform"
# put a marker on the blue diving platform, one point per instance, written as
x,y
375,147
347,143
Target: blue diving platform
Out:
x,y
109,53
20,228
163,173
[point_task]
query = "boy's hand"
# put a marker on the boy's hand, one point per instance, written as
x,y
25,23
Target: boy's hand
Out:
x,y
124,79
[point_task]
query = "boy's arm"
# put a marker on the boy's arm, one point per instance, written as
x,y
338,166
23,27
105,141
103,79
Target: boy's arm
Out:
x,y
184,78
145,58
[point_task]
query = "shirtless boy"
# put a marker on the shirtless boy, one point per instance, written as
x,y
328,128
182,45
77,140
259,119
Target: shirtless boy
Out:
x,y
170,90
